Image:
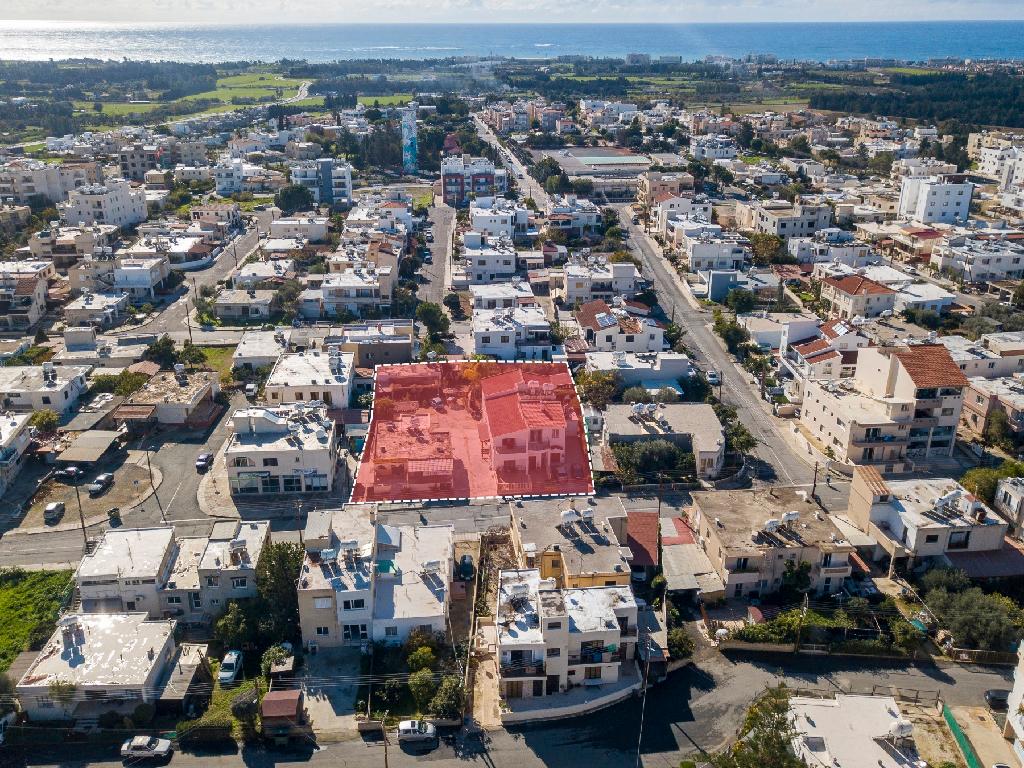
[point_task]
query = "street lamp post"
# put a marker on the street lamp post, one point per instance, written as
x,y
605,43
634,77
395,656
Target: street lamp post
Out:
x,y
152,485
81,515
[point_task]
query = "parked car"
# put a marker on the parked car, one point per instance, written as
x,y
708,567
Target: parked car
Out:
x,y
997,698
69,473
204,461
53,512
466,569
250,390
142,747
230,666
416,732
428,258
713,378
100,484
430,236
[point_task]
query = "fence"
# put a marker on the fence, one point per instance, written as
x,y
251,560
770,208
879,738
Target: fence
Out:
x,y
971,656
970,756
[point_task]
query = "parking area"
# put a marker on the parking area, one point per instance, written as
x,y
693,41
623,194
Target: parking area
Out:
x,y
329,679
983,731
131,486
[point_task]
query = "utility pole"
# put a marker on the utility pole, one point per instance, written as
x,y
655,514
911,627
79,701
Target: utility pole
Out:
x,y
800,625
814,484
81,515
156,496
384,733
643,702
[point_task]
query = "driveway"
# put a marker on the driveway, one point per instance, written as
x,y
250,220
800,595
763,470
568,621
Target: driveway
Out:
x,y
330,701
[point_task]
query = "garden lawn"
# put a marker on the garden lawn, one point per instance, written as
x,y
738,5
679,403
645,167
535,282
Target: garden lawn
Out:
x,y
219,358
29,603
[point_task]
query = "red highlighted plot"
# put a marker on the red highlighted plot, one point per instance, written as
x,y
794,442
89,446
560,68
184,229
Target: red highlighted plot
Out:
x,y
473,429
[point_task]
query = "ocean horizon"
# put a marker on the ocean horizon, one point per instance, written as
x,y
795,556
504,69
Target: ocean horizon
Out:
x,y
809,41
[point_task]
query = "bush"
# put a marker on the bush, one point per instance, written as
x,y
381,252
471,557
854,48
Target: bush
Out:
x,y
680,644
421,658
449,699
111,719
636,395
143,714
423,688
417,639
390,694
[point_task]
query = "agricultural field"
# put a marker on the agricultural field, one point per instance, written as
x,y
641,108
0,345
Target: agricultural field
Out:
x,y
386,101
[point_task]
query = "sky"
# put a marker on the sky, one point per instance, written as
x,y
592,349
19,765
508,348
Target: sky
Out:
x,y
503,11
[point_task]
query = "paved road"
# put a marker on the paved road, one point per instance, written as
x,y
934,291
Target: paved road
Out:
x,y
698,708
776,460
528,186
436,276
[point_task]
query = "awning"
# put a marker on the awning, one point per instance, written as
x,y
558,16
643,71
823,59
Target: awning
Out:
x,y
89,446
133,412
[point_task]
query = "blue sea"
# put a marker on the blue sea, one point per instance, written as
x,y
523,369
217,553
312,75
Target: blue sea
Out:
x,y
909,41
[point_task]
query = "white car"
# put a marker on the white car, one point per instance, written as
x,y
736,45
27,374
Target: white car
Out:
x,y
146,746
416,731
230,666
713,378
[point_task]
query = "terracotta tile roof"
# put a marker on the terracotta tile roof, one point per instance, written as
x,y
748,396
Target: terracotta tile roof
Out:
x,y
642,537
587,314
833,329
661,198
683,534
811,347
821,357
930,365
872,479
857,285
25,286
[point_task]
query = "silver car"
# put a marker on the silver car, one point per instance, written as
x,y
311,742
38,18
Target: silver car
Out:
x,y
146,747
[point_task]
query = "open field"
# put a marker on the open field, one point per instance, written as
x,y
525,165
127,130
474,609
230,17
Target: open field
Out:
x,y
29,602
386,101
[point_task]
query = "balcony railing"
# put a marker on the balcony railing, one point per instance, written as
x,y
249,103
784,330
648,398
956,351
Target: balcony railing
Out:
x,y
627,631
590,658
523,670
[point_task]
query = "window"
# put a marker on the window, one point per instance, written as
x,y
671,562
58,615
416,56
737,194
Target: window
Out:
x,y
212,581
270,462
174,600
321,602
353,605
239,582
592,673
292,483
931,538
46,399
554,625
390,631
323,631
554,653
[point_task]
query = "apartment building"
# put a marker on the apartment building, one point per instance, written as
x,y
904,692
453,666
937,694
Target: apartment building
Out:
x,y
987,396
608,329
311,228
463,177
136,159
668,209
705,246
281,449
115,202
979,359
785,220
936,199
720,147
311,376
126,571
15,438
102,309
652,184
66,245
29,388
513,333
359,290
979,258
550,640
901,403
496,217
488,259
1009,503
26,180
328,179
921,167
594,278
225,216
830,245
921,521
363,581
753,538
857,296
576,216
502,295
22,300
140,278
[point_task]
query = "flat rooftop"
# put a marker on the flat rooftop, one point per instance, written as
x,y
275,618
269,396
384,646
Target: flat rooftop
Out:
x,y
695,419
260,344
347,565
167,387
310,368
518,614
593,609
253,534
915,501
406,590
587,546
739,516
850,731
29,378
109,650
128,553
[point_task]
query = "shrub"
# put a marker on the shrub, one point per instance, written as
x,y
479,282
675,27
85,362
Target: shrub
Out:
x,y
449,699
680,644
422,658
423,688
143,714
419,639
110,719
390,693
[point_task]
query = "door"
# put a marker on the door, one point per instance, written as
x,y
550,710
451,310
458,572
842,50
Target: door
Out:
x,y
552,684
538,687
514,689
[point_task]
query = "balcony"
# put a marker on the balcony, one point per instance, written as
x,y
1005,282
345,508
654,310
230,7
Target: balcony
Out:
x,y
535,669
627,631
591,658
878,439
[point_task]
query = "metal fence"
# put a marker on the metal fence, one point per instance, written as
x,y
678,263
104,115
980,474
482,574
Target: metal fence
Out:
x,y
970,756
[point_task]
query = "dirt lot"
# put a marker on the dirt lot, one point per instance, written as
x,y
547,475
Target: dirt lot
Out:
x,y
131,483
463,593
932,738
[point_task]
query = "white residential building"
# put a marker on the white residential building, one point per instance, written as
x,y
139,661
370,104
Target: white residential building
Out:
x,y
608,329
515,333
115,202
496,217
260,349
1009,502
126,571
786,220
979,259
24,180
311,376
706,246
571,214
359,290
140,277
15,437
668,208
281,449
550,640
105,657
713,147
488,259
102,309
830,245
311,228
66,245
502,295
594,278
38,388
936,199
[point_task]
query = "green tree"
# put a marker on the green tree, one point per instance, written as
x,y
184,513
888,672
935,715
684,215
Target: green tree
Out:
x,y
451,301
766,736
62,691
191,355
740,300
293,198
636,394
423,687
422,658
161,352
276,575
998,431
234,629
275,654
597,387
975,619
666,395
45,421
739,439
450,698
764,247
433,318
680,644
41,337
